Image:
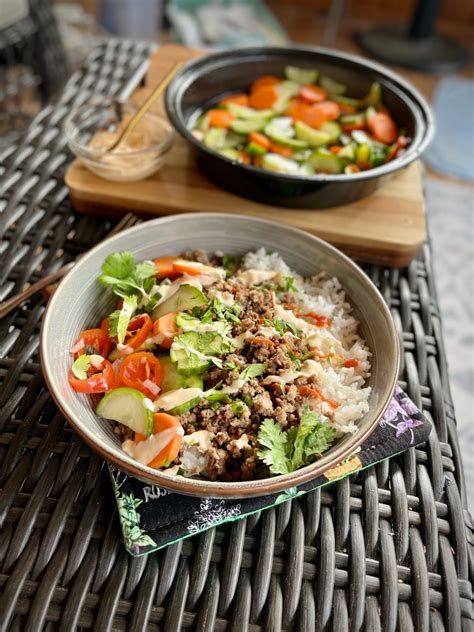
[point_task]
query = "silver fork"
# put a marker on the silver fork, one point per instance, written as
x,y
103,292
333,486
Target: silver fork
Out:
x,y
6,307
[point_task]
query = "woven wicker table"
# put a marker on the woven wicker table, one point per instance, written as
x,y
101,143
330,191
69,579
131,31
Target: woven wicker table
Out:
x,y
388,549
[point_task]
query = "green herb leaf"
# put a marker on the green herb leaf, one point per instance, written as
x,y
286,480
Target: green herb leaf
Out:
x,y
290,284
237,407
300,444
230,264
80,366
282,326
231,366
273,452
253,370
119,319
218,397
126,277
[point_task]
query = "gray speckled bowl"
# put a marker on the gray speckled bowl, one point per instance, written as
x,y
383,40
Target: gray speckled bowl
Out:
x,y
80,303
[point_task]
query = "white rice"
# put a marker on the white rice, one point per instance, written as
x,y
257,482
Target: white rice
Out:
x,y
326,297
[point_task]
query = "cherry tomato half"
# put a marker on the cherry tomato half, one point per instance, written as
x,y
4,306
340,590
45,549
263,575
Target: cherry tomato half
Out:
x,y
138,330
140,369
98,339
99,381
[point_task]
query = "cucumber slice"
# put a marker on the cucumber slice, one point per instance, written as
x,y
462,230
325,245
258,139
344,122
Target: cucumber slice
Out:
x,y
203,122
242,126
323,161
313,137
302,155
349,152
374,96
233,140
355,103
254,149
186,297
189,363
172,380
280,130
301,75
127,406
230,153
285,90
280,164
332,87
357,119
214,138
249,114
333,129
306,170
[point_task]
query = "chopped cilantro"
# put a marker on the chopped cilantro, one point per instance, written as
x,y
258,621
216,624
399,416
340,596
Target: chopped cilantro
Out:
x,y
80,366
282,326
253,370
285,452
230,264
237,407
120,318
290,284
248,401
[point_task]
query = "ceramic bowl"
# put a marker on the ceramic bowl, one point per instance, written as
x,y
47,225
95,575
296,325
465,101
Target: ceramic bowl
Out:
x,y
80,302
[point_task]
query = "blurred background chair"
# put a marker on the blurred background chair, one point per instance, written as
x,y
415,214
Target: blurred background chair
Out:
x,y
32,62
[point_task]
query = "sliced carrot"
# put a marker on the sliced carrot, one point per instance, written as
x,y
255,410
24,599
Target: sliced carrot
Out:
x,y
352,363
168,454
244,158
258,160
383,128
163,421
220,118
281,149
346,108
166,325
307,391
164,267
330,110
312,94
240,99
262,341
186,267
264,80
139,437
260,139
335,149
312,115
263,98
320,321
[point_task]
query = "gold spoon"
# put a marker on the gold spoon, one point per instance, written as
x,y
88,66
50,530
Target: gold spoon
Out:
x,y
144,108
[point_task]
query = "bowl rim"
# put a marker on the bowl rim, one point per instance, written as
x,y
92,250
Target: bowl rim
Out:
x,y
96,156
202,487
418,105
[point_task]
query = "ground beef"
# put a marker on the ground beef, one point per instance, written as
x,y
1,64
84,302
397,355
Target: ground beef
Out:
x,y
257,306
196,255
123,432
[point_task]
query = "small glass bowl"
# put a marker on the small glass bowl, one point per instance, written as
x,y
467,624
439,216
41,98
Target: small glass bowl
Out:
x,y
92,127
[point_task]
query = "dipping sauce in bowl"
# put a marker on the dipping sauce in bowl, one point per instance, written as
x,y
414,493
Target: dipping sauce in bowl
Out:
x,y
94,126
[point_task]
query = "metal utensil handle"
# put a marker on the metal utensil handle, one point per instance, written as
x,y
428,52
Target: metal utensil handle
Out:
x,y
145,107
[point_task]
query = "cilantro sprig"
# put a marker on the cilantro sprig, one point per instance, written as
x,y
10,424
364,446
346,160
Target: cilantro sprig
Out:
x,y
126,277
253,370
285,452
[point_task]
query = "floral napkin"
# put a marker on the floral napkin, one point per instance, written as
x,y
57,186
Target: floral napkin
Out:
x,y
152,517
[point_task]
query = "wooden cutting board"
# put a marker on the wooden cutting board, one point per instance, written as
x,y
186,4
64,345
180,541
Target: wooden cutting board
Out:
x,y
386,228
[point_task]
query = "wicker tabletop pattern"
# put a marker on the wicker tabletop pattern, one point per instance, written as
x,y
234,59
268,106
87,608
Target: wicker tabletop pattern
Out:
x,y
388,549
